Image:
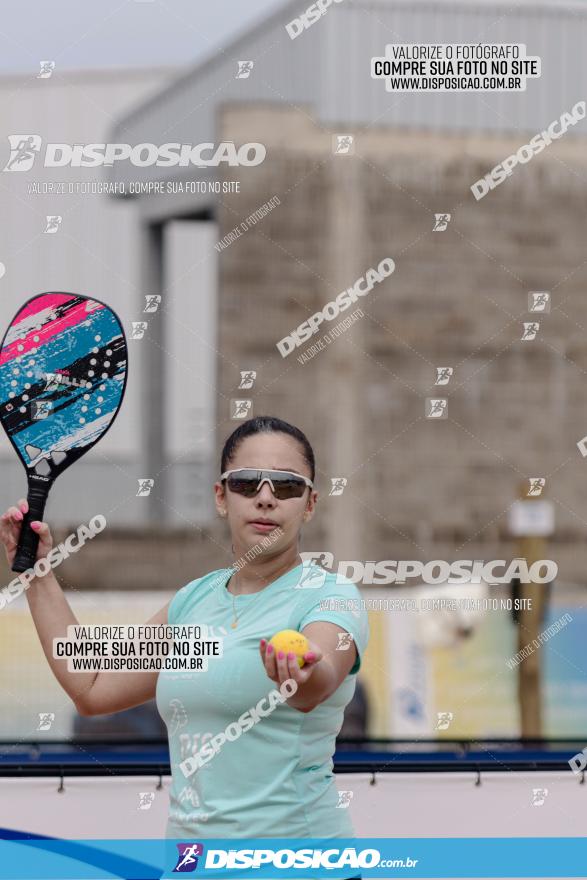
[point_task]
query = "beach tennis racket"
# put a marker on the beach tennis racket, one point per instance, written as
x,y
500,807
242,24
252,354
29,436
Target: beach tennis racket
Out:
x,y
63,363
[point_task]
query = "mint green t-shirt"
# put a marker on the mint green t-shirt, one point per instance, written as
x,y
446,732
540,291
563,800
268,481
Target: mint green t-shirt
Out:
x,y
275,779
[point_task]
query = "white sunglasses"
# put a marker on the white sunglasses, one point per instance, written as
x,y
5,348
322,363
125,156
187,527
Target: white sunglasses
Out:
x,y
284,484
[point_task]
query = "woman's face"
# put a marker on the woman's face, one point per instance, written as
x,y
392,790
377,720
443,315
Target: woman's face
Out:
x,y
270,451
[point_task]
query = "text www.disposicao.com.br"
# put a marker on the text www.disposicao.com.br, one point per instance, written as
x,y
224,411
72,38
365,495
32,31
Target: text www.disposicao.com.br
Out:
x,y
141,664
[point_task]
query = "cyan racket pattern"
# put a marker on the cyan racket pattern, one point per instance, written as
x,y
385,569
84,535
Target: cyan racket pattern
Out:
x,y
63,366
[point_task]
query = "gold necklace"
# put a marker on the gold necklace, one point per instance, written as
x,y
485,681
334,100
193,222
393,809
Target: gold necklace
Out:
x,y
234,623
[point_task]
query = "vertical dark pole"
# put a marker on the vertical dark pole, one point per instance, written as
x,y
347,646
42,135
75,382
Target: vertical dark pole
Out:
x,y
152,359
530,622
342,387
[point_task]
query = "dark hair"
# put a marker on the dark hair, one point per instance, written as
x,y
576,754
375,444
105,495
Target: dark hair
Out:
x,y
266,424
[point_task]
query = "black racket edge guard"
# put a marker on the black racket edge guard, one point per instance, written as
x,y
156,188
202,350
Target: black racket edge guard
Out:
x,y
26,552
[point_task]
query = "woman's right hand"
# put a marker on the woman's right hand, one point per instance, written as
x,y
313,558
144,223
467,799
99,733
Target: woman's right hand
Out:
x,y
10,527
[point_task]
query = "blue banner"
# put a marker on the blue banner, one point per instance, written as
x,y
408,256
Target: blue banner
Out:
x,y
28,858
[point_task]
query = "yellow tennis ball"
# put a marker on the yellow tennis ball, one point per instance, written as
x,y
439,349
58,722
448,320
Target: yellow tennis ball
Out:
x,y
291,640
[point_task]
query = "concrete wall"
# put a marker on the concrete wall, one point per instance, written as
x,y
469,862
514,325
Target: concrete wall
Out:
x,y
457,298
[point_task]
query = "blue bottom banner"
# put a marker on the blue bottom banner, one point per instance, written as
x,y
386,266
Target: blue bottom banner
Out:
x,y
30,858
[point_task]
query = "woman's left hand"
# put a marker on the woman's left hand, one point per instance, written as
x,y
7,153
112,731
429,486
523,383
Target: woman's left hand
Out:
x,y
280,666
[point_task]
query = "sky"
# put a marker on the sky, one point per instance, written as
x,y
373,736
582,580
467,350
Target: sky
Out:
x,y
121,33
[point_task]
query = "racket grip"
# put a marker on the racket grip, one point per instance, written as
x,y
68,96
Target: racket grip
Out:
x,y
26,552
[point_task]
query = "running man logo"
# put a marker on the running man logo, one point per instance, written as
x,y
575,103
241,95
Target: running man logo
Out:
x,y
58,380
345,640
531,329
441,222
47,68
46,719
344,799
138,329
443,375
24,149
539,301
146,798
187,860
244,69
152,301
436,407
40,409
247,378
443,720
319,557
145,486
311,577
539,795
53,224
537,484
343,145
338,485
240,409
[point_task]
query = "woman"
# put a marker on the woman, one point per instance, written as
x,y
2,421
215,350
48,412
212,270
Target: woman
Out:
x,y
274,778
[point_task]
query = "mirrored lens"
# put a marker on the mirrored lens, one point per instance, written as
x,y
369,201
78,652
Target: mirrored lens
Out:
x,y
245,483
286,485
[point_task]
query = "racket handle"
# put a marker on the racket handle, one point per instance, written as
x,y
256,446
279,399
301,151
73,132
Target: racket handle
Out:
x,y
26,552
